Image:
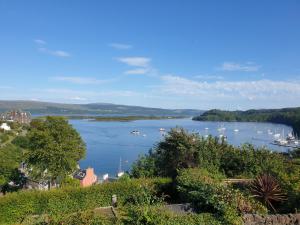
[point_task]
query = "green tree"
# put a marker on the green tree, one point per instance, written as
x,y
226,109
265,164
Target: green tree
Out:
x,y
54,149
10,159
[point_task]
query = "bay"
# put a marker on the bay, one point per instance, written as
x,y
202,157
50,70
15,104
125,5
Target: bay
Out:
x,y
108,142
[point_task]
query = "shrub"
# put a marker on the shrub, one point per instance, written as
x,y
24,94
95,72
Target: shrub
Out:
x,y
267,189
88,217
16,206
157,215
208,194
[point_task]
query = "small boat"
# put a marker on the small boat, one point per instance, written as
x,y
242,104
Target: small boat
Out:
x,y
221,136
206,128
221,128
119,174
105,176
162,129
236,130
135,132
290,137
277,135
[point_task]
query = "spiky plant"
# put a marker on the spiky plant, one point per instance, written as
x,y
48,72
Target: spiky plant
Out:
x,y
267,189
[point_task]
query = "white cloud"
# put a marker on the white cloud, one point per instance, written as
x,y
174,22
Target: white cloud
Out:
x,y
58,53
120,46
137,71
80,80
247,67
209,77
77,98
92,95
135,61
40,42
264,90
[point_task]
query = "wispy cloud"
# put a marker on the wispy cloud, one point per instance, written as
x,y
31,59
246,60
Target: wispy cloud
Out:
x,y
77,98
232,66
40,41
41,47
137,71
120,46
209,77
58,53
135,61
81,80
266,90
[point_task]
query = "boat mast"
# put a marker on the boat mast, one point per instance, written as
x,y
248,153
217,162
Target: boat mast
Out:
x,y
120,165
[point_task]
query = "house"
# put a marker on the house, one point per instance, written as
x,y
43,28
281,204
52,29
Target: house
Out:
x,y
16,116
86,177
5,127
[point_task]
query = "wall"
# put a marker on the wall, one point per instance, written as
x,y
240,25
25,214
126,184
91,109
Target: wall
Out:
x,y
277,219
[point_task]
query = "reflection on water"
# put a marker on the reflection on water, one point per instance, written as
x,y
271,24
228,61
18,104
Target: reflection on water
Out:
x,y
107,142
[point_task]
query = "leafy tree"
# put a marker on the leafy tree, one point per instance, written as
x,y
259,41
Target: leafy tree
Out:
x,y
54,148
10,158
179,150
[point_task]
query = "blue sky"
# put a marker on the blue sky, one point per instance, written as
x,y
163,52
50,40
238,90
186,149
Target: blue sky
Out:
x,y
170,54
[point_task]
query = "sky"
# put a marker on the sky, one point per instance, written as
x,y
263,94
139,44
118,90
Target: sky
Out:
x,y
168,54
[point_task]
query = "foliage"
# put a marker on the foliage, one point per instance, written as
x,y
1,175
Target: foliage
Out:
x,y
55,148
4,137
10,158
88,217
181,149
247,161
21,141
57,203
267,189
69,181
177,151
144,166
208,194
157,215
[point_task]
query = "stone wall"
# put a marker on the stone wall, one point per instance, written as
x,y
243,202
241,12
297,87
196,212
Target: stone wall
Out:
x,y
276,219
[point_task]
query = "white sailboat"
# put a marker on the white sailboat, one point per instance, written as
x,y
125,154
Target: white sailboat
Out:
x,y
120,172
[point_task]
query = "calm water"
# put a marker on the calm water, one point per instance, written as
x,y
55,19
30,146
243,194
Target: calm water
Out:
x,y
107,142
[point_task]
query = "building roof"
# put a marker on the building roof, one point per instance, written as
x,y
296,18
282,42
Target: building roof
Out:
x,y
80,174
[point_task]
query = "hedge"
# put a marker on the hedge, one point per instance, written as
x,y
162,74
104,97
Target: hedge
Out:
x,y
157,215
14,207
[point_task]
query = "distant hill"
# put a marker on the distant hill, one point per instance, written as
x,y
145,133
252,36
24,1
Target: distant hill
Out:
x,y
48,108
288,116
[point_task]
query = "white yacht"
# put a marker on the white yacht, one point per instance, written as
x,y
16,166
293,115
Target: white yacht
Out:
x,y
135,132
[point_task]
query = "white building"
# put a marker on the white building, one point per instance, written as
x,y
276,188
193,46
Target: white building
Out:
x,y
5,127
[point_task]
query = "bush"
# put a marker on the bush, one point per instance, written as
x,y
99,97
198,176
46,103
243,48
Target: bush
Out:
x,y
88,217
208,194
157,215
16,206
248,161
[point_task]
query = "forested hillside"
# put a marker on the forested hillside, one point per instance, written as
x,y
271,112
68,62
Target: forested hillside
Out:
x,y
49,108
288,116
